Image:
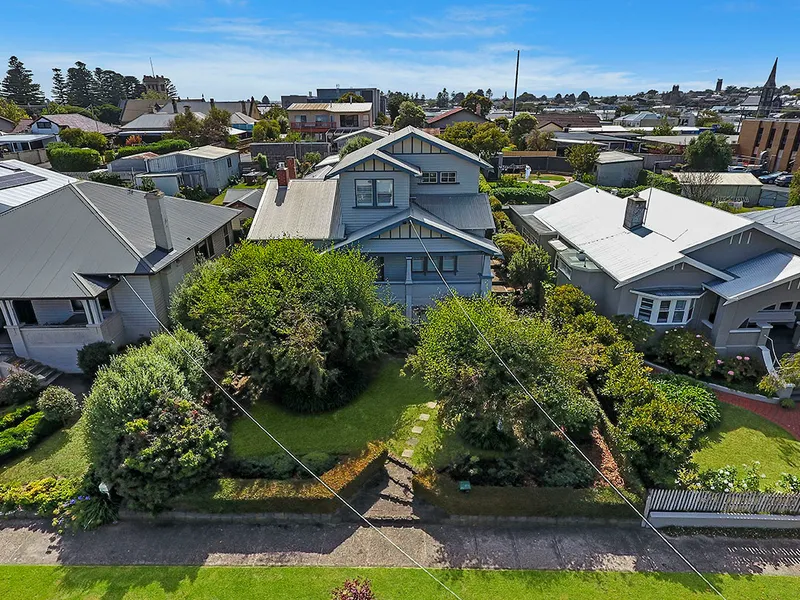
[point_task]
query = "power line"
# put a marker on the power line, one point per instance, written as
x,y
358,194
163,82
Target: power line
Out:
x,y
556,426
286,450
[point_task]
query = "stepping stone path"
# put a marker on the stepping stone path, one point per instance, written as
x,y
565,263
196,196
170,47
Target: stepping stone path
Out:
x,y
423,418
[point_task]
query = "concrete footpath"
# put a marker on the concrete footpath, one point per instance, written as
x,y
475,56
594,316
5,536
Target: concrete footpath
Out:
x,y
548,547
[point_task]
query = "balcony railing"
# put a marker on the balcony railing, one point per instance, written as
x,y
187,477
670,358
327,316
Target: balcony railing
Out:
x,y
313,126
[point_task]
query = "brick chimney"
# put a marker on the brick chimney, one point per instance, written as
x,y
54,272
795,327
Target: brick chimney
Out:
x,y
283,175
174,106
158,220
635,212
291,166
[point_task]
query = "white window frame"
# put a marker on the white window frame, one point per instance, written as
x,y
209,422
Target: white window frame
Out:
x,y
668,304
364,183
447,176
432,176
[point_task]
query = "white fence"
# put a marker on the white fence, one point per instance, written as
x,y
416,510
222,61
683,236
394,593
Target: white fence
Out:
x,y
722,509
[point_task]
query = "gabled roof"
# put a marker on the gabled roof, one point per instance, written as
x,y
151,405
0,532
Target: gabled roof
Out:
x,y
372,149
332,107
366,132
76,121
757,275
613,156
420,216
451,112
592,221
248,197
211,152
568,191
66,243
307,209
154,121
23,126
784,221
46,182
569,119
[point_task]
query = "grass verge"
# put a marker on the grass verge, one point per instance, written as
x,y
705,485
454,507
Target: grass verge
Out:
x,y
315,583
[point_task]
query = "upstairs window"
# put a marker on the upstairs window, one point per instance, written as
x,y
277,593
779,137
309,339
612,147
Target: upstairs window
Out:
x,y
374,192
44,125
363,192
447,177
385,192
429,177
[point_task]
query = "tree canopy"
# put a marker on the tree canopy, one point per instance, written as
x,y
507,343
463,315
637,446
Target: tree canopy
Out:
x,y
409,114
708,152
479,104
11,111
484,139
354,144
18,84
519,127
582,158
301,325
266,130
350,97
212,129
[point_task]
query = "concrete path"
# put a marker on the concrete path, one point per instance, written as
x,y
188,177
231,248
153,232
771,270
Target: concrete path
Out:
x,y
580,547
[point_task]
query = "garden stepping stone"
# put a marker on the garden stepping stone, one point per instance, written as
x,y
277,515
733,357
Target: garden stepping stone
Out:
x,y
408,453
424,417
412,441
416,429
431,405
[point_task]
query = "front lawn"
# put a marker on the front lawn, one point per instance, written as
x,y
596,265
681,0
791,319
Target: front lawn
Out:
x,y
63,454
315,583
385,406
744,437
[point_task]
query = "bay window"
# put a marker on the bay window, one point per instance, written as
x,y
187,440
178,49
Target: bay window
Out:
x,y
665,310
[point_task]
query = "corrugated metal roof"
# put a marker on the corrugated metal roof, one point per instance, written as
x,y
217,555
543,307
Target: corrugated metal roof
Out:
x,y
592,221
16,196
758,274
208,152
725,178
25,137
77,121
370,132
612,156
373,148
153,121
567,191
332,107
465,211
785,221
307,209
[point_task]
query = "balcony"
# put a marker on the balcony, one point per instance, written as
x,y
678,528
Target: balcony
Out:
x,y
313,127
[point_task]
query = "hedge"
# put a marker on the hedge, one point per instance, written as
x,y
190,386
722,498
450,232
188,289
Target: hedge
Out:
x,y
228,495
602,502
16,440
74,159
162,147
16,416
533,194
662,182
41,496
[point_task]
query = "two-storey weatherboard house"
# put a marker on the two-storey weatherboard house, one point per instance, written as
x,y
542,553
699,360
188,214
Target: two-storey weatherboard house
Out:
x,y
382,199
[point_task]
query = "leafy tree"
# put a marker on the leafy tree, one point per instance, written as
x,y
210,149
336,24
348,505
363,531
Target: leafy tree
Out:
x,y
794,190
456,98
59,87
527,97
133,87
382,119
18,84
109,86
477,103
10,110
274,112
394,100
186,126
484,139
442,99
539,140
214,128
266,130
81,85
582,158
708,152
663,128
312,158
409,114
707,118
502,123
530,270
584,97
350,97
726,128
519,127
302,325
108,113
566,302
463,371
488,93
149,439
51,108
509,244
625,109
283,123
354,144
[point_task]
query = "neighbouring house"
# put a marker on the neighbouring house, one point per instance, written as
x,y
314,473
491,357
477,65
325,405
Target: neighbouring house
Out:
x,y
459,114
63,255
21,182
567,191
136,107
248,108
643,119
617,169
679,142
673,262
207,166
771,143
731,187
23,126
245,201
565,121
6,125
373,96
318,119
153,126
22,142
53,124
382,199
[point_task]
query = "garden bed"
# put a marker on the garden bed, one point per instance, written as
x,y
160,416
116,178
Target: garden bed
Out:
x,y
228,495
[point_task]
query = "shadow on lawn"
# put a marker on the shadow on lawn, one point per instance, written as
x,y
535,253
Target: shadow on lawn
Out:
x,y
115,583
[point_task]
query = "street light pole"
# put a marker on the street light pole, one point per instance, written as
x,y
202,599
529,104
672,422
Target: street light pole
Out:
x,y
516,81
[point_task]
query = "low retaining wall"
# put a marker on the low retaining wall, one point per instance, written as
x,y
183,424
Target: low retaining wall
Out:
x,y
694,519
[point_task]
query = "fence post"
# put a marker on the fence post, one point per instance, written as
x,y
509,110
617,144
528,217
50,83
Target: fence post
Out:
x,y
647,505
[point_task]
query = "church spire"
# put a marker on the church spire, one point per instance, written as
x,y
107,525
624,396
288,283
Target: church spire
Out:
x,y
769,100
773,73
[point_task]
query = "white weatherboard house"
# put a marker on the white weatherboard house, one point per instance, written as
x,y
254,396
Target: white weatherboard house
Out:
x,y
63,253
673,262
380,198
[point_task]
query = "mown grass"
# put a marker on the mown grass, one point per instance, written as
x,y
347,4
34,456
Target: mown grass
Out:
x,y
744,437
386,406
316,583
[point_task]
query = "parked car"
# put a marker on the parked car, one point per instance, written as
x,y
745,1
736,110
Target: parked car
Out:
x,y
771,177
758,171
737,169
784,180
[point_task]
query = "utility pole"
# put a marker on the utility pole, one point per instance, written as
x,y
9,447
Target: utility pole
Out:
x,y
516,81
152,70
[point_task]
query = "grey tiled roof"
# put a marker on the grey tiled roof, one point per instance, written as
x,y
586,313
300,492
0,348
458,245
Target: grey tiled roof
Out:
x,y
77,121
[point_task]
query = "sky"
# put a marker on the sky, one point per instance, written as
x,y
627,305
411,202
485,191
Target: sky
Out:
x,y
234,49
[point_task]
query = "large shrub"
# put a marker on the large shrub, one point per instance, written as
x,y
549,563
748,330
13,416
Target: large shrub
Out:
x,y
302,325
565,302
639,333
18,387
95,355
661,182
695,396
688,352
73,159
535,193
530,270
16,440
509,244
58,404
354,589
160,147
148,438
